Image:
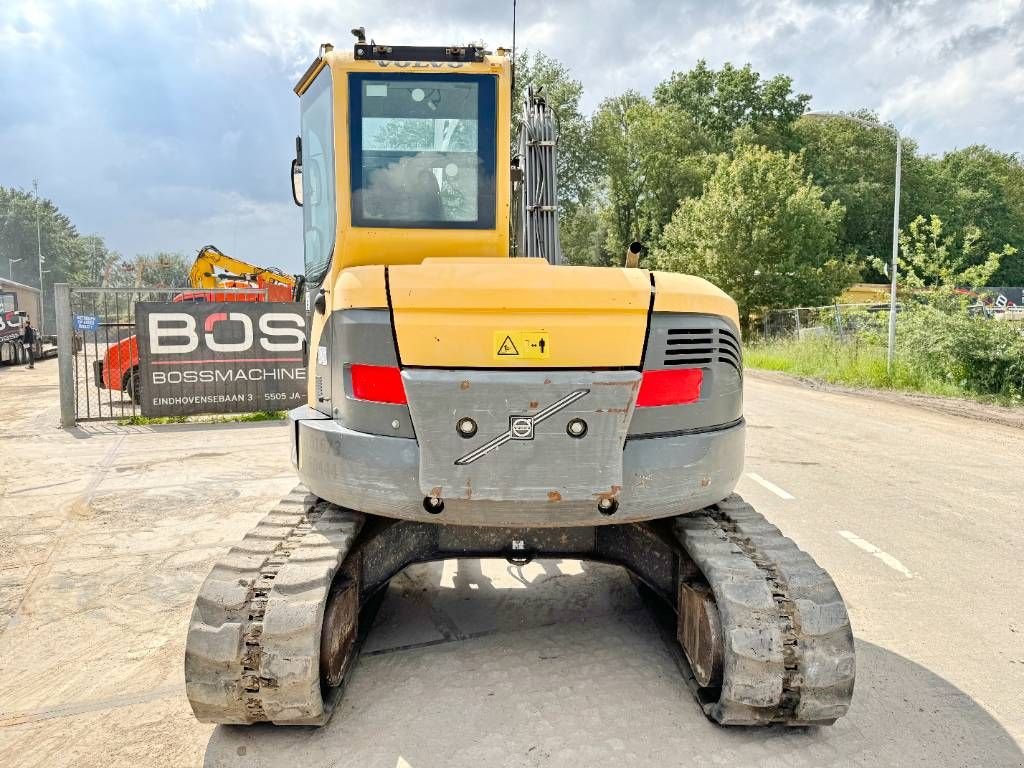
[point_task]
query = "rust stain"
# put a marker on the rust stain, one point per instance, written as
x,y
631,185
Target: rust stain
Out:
x,y
534,404
613,493
469,489
436,491
705,481
464,384
554,496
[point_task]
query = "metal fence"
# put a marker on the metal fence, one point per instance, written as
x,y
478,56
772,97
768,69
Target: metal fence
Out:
x,y
100,378
835,320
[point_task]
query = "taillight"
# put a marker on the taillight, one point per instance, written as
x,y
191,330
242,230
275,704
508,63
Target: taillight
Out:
x,y
673,387
378,384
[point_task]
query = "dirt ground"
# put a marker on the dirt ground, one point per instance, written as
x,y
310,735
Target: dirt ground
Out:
x,y
106,534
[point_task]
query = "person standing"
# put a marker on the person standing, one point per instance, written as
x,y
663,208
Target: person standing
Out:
x,y
28,340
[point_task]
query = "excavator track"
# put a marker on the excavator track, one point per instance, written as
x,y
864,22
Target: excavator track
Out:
x,y
786,641
253,651
274,631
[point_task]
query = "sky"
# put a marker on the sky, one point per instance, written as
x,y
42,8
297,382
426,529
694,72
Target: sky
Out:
x,y
166,125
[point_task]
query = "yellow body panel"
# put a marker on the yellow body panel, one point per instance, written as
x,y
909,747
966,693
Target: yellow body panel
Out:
x,y
687,293
456,313
360,288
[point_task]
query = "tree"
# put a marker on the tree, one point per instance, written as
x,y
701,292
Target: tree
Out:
x,y
929,259
67,257
761,232
563,94
856,165
649,158
978,189
723,101
615,142
158,270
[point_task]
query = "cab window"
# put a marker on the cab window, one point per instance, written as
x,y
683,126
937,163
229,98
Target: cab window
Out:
x,y
423,150
319,208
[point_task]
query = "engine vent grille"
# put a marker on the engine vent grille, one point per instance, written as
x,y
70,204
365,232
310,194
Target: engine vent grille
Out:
x,y
694,347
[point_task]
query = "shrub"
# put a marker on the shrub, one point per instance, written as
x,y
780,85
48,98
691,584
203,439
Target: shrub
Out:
x,y
975,353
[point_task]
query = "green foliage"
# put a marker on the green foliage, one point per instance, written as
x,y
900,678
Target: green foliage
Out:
x,y
981,190
970,352
761,232
855,165
853,363
563,94
721,102
231,418
67,256
158,270
928,259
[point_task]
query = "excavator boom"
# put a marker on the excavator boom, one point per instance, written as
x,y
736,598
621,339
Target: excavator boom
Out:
x,y
213,267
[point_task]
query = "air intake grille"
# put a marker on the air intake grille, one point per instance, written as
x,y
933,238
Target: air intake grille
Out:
x,y
694,347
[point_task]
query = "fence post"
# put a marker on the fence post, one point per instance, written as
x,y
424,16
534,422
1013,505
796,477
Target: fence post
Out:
x,y
796,314
65,350
766,311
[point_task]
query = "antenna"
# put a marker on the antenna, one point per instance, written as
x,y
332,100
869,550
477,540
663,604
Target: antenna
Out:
x,y
513,53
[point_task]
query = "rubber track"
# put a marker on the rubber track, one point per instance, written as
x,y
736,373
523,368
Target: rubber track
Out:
x,y
253,647
789,654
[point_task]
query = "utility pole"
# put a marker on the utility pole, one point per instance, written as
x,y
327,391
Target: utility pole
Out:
x,y
895,254
39,252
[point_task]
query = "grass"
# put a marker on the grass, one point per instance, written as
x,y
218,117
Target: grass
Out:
x,y
854,364
146,421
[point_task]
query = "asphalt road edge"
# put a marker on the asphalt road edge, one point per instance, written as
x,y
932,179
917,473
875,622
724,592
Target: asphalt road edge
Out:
x,y
968,409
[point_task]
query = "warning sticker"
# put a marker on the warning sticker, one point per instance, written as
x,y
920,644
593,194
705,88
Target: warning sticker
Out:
x,y
521,345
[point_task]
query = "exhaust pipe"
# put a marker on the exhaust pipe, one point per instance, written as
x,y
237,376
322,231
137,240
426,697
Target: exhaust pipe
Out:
x,y
633,254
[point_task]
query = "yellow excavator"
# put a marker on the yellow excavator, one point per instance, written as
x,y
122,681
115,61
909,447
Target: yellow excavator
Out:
x,y
471,396
213,268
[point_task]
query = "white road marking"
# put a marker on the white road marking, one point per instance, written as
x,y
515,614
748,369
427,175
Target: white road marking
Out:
x,y
770,486
871,549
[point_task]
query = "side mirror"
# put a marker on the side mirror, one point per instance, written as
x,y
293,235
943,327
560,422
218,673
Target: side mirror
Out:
x,y
297,182
297,173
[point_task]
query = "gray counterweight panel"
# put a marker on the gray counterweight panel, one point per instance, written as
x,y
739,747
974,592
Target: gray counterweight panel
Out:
x,y
541,461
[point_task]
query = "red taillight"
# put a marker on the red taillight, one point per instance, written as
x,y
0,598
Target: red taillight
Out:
x,y
670,387
378,383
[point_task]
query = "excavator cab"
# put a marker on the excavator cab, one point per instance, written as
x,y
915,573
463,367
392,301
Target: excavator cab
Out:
x,y
398,163
468,399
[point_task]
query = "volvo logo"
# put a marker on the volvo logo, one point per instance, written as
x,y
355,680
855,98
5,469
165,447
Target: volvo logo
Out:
x,y
522,427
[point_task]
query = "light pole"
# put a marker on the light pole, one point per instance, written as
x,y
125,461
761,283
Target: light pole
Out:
x,y
39,254
890,353
10,267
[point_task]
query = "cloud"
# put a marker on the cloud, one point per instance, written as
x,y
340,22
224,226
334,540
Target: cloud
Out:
x,y
166,125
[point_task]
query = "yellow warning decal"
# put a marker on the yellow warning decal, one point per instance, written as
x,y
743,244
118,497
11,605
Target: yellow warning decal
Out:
x,y
521,345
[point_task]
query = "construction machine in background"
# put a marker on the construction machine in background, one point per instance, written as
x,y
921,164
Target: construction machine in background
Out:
x,y
214,275
213,268
471,399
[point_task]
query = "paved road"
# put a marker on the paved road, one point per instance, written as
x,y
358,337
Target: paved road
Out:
x,y
106,533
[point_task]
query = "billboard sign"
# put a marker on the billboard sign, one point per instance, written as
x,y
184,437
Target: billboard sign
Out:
x,y
222,357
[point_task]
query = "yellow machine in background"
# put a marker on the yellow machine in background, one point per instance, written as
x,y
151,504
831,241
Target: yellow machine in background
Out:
x,y
213,268
471,396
